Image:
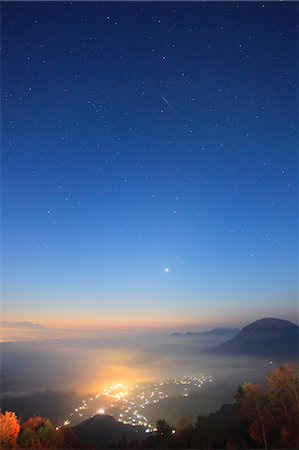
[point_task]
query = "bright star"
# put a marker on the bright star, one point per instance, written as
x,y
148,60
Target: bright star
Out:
x,y
166,269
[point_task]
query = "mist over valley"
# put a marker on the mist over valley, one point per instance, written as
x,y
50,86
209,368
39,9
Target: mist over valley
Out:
x,y
39,375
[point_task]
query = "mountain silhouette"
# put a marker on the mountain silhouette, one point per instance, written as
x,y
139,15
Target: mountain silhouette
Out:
x,y
103,430
22,325
265,337
221,331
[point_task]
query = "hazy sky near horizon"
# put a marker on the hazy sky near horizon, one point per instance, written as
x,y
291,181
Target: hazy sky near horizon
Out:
x,y
149,157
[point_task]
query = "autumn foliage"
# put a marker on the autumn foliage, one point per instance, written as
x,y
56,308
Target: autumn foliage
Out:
x,y
272,414
36,433
9,430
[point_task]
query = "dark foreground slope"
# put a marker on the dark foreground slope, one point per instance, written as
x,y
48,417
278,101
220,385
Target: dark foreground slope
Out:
x,y
102,430
173,409
265,337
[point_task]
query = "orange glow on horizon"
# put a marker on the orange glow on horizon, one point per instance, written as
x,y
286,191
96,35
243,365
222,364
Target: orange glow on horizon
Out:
x,y
129,323
187,322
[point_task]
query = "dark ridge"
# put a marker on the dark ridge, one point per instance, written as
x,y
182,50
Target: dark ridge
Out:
x,y
265,337
103,430
53,405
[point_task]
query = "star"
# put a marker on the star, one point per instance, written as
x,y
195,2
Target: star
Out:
x,y
166,269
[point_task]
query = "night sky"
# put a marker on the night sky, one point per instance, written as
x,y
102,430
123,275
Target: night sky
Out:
x,y
149,155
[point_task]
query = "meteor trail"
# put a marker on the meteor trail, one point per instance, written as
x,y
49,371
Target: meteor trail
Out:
x,y
170,106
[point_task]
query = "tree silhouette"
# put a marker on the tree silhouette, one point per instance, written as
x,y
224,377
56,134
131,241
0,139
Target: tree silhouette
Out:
x,y
163,428
254,407
283,392
37,433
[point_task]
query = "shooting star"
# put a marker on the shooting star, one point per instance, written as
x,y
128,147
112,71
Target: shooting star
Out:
x,y
170,106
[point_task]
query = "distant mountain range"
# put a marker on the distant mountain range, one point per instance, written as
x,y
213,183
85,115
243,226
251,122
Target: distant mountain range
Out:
x,y
103,430
22,325
265,337
216,332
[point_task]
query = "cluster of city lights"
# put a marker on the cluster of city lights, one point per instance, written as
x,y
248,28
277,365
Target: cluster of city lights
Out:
x,y
126,403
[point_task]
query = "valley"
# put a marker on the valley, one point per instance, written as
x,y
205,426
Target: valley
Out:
x,y
127,403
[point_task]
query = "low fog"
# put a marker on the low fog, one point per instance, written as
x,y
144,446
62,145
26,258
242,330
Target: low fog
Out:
x,y
60,370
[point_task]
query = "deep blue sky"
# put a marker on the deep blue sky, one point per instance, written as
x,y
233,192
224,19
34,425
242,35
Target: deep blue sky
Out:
x,y
143,136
